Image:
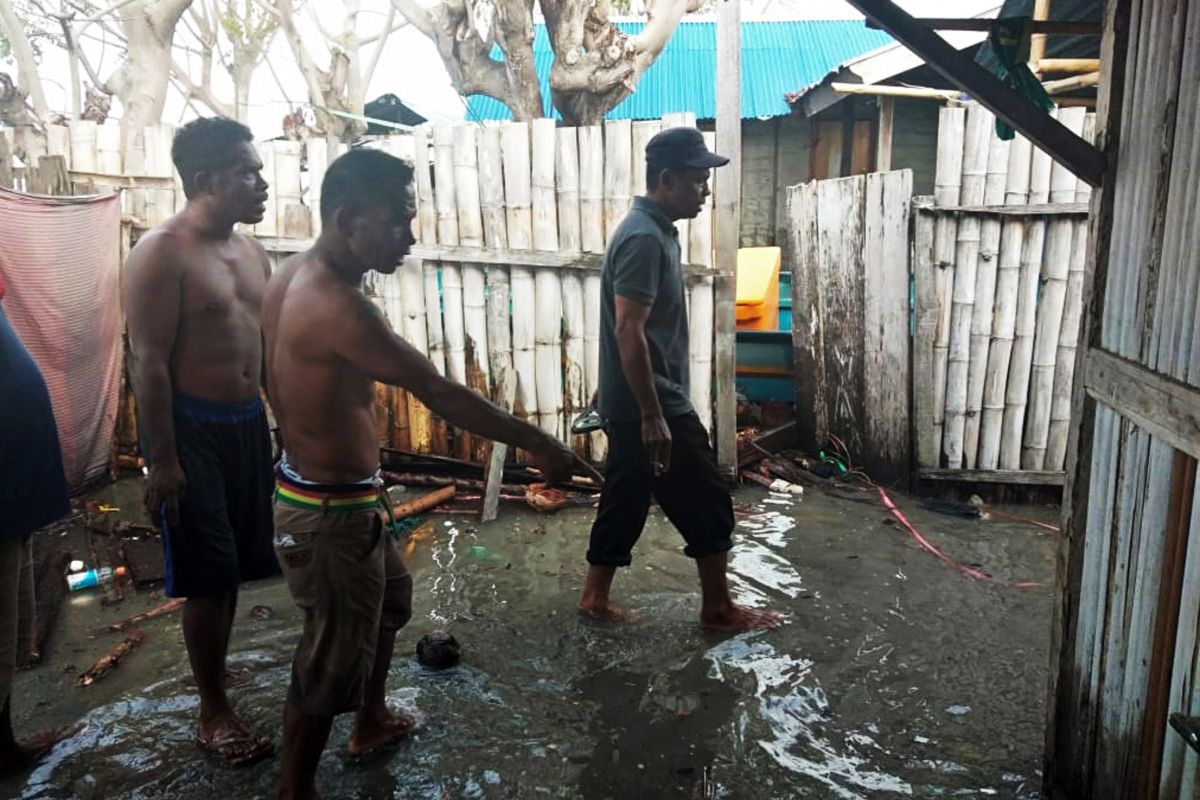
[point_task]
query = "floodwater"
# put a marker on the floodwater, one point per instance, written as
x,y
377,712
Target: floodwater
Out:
x,y
894,675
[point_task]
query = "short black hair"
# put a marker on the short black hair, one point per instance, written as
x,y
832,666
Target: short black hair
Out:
x,y
206,145
364,178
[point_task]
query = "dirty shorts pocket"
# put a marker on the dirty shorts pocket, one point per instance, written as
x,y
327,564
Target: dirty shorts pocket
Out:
x,y
297,537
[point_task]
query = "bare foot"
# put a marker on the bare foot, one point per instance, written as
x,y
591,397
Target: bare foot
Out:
x,y
607,612
379,731
24,757
734,618
233,741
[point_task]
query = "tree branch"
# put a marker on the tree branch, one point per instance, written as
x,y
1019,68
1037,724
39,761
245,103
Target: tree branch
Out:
x,y
417,15
369,72
391,28
28,80
203,93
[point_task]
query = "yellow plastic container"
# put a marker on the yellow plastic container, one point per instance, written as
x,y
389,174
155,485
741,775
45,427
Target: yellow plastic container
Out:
x,y
758,288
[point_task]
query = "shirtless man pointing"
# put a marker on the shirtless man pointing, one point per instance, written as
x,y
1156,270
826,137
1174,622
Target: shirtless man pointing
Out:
x,y
192,291
327,345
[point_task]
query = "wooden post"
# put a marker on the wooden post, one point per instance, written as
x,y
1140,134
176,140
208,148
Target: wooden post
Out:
x,y
700,310
883,144
926,313
591,222
1012,233
518,191
946,191
1017,387
566,170
966,263
49,177
424,429
728,214
1068,339
495,235
6,176
547,286
985,295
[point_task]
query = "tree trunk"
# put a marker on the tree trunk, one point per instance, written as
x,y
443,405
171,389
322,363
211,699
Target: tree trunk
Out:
x,y
28,80
243,70
140,82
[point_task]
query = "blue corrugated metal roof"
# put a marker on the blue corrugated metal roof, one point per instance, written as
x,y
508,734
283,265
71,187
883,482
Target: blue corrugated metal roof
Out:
x,y
777,58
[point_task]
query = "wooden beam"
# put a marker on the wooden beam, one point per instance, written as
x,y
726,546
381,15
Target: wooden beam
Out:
x,y
883,90
1070,150
593,262
1025,210
727,214
1015,477
1068,65
1050,27
1162,406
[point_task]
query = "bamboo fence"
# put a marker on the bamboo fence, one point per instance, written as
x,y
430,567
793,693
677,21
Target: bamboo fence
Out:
x,y
502,291
1001,292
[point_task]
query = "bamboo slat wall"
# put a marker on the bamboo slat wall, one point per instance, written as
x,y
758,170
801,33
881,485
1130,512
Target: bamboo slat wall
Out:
x,y
504,285
998,299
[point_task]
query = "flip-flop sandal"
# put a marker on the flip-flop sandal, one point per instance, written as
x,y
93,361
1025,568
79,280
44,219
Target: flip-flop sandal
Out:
x,y
237,751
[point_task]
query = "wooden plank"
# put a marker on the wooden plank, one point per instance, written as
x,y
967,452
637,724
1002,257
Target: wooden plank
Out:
x,y
807,349
506,389
548,351
1015,477
840,251
1167,408
959,68
927,442
883,143
885,329
728,205
1067,749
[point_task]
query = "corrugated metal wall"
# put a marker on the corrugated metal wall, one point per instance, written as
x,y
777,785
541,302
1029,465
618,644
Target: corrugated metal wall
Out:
x,y
1137,608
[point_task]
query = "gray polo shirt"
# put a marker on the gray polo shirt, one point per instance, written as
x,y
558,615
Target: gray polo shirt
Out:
x,y
642,264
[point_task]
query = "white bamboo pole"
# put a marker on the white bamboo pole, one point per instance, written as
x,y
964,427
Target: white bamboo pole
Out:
x,y
618,177
317,155
701,312
591,223
415,332
108,148
446,202
495,236
1008,271
431,227
1017,388
946,191
983,314
570,235
1056,266
426,210
470,234
547,286
518,200
83,145
287,184
966,262
1068,338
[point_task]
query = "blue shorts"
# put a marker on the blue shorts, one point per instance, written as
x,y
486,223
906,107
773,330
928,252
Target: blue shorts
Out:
x,y
225,534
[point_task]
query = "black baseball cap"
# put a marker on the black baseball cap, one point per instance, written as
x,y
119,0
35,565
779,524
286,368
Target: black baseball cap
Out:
x,y
681,148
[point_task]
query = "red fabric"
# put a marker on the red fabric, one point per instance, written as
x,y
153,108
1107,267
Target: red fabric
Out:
x,y
60,257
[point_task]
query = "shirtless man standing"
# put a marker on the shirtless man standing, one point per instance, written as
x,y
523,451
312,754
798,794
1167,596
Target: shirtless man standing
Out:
x,y
327,344
192,292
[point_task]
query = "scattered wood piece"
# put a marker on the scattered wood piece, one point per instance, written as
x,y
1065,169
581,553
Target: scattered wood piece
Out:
x,y
49,587
411,479
424,503
544,498
112,659
166,608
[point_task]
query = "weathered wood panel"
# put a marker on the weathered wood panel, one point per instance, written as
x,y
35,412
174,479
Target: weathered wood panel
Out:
x,y
850,317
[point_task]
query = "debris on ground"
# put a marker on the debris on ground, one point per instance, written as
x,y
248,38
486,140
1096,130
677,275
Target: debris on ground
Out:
x,y
546,499
419,505
169,607
49,589
438,650
112,659
951,508
262,612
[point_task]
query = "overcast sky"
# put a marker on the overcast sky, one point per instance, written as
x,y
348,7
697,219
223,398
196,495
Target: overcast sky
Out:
x,y
410,66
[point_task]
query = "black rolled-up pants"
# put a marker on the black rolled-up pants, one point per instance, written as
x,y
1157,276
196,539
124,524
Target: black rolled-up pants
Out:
x,y
691,493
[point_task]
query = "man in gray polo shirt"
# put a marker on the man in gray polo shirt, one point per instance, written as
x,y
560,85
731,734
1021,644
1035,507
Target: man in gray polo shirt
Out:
x,y
657,446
